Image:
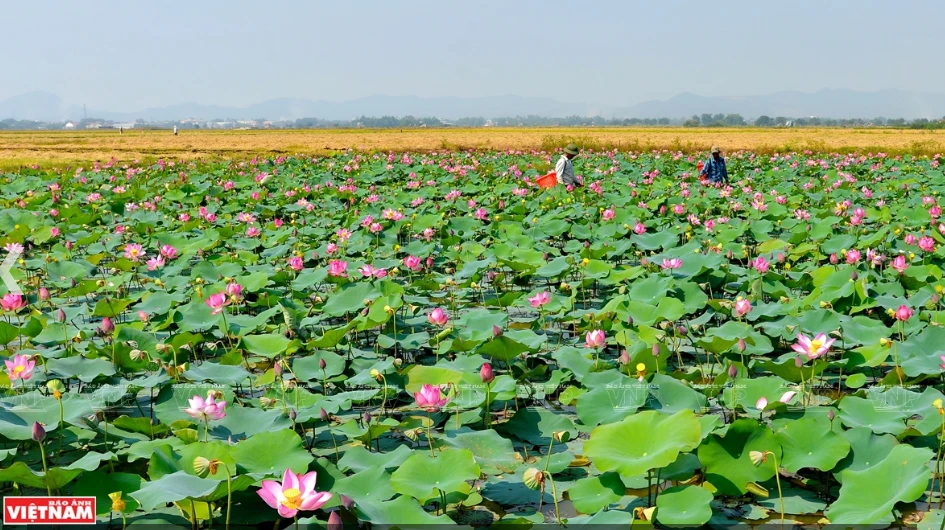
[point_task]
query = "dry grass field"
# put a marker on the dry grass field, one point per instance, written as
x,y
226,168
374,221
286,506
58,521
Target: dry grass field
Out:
x,y
65,148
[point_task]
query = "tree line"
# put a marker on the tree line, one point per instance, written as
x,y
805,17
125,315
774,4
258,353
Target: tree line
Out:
x,y
409,122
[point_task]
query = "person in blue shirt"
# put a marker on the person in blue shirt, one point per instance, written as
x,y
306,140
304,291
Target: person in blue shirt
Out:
x,y
714,170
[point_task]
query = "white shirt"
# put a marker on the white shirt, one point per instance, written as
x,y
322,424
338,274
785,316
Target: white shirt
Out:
x,y
564,170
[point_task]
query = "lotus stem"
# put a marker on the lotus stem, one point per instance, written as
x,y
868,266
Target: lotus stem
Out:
x,y
42,453
229,494
430,434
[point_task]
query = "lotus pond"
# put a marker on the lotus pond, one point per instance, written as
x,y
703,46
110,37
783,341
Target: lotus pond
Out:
x,y
431,338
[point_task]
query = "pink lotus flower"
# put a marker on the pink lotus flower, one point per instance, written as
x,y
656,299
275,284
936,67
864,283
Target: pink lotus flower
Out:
x,y
742,307
429,398
853,256
370,272
168,252
608,214
899,264
295,263
903,313
217,302
595,338
927,244
235,290
787,396
812,348
942,364
910,239
673,263
762,403
760,264
253,231
338,268
12,302
20,368
438,317
331,248
639,229
156,263
206,409
412,263
134,252
295,493
540,299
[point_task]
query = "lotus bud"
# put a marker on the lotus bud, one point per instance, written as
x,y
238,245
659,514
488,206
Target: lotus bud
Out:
x,y
833,259
323,415
732,371
277,369
741,344
854,276
292,414
366,417
107,326
656,350
624,357
780,257
830,415
682,330
39,433
533,478
761,403
486,373
43,293
322,364
496,331
61,315
334,521
347,502
69,247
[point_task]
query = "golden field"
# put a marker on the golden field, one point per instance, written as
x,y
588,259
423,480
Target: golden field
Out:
x,y
63,148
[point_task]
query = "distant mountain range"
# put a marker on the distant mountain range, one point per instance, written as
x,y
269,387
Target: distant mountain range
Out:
x,y
43,106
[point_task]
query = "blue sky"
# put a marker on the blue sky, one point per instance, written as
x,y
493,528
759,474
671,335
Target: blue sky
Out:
x,y
126,55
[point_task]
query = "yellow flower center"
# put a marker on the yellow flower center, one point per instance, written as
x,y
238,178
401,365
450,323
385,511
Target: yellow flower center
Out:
x,y
18,369
293,498
815,345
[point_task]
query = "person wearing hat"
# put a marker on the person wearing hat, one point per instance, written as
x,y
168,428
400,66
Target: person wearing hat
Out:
x,y
714,170
564,169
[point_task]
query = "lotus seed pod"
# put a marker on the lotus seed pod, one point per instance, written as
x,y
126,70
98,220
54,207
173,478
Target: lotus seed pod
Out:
x,y
533,478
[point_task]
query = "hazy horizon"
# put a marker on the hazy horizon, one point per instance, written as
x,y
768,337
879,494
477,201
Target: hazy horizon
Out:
x,y
129,56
